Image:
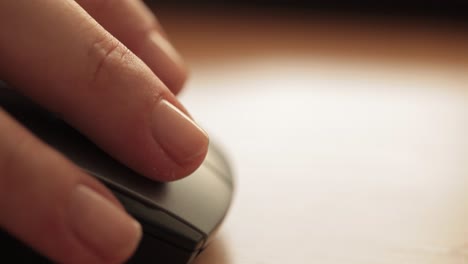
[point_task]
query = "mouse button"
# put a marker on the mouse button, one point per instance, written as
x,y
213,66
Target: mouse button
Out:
x,y
215,159
202,199
161,225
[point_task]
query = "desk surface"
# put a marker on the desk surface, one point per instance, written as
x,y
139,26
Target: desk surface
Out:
x,y
349,138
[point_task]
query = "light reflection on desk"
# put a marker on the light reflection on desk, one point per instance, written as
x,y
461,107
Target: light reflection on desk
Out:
x,y
338,160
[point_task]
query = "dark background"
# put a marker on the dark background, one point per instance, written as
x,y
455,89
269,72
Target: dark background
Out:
x,y
439,9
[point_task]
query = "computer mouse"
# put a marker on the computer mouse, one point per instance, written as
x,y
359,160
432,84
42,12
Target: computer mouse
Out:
x,y
179,219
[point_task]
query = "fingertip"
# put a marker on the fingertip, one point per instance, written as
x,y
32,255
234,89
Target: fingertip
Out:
x,y
164,60
184,141
185,170
105,228
55,208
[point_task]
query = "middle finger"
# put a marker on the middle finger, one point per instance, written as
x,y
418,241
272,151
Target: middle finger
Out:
x,y
133,23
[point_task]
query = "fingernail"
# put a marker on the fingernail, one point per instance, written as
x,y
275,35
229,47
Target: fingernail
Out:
x,y
180,137
101,225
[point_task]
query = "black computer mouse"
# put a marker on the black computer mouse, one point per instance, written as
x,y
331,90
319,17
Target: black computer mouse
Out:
x,y
179,219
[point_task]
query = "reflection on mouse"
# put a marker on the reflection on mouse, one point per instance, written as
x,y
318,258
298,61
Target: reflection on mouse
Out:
x,y
179,218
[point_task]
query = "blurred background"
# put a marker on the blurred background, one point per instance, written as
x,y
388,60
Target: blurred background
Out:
x,y
346,123
450,9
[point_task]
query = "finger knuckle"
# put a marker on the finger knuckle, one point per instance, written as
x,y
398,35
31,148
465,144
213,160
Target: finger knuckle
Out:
x,y
106,55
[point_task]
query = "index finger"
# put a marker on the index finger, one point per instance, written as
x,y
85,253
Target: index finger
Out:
x,y
55,53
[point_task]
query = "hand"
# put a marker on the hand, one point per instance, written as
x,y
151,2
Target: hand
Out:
x,y
108,69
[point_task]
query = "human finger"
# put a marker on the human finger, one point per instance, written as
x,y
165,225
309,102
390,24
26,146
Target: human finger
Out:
x,y
52,206
59,56
133,23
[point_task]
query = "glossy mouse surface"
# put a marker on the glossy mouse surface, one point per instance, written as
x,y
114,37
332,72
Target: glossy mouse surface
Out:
x,y
179,219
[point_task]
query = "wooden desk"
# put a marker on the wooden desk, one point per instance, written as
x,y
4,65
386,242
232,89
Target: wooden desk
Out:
x,y
348,136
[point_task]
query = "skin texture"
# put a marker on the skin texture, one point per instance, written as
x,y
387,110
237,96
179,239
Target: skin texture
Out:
x,y
113,79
